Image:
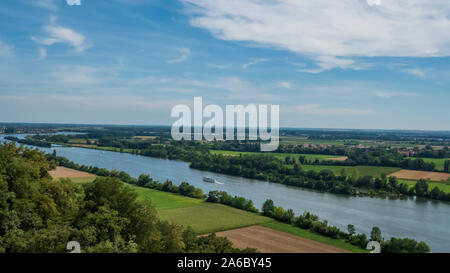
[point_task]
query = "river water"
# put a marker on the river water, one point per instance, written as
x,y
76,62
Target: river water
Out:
x,y
422,220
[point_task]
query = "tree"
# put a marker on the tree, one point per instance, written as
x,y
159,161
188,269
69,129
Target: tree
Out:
x,y
268,208
143,180
355,175
404,245
421,188
447,166
375,234
351,229
436,193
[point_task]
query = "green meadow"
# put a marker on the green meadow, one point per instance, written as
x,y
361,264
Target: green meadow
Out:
x,y
439,162
281,156
443,186
362,170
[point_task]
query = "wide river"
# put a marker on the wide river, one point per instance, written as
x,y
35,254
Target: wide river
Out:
x,y
422,220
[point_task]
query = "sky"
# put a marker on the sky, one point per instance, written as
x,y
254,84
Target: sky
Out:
x,y
365,64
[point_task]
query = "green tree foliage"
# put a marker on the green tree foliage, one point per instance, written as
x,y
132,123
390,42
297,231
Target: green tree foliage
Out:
x,y
404,245
447,166
351,229
421,188
375,234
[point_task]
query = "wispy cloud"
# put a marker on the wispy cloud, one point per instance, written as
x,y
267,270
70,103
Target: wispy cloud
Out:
x,y
285,85
416,72
219,66
388,95
73,2
5,49
48,4
184,55
42,53
253,62
59,34
317,109
325,63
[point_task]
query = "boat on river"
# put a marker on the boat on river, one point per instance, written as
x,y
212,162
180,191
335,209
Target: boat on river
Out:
x,y
209,180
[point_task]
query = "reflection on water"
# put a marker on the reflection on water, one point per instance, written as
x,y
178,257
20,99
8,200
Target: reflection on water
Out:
x,y
419,219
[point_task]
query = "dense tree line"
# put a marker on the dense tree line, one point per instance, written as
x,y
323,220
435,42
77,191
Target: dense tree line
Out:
x,y
239,202
30,141
311,222
428,152
39,214
269,168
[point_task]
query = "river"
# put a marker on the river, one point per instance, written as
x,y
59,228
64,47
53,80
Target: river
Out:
x,y
422,220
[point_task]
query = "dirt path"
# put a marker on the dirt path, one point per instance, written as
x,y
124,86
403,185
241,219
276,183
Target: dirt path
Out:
x,y
268,240
410,174
63,172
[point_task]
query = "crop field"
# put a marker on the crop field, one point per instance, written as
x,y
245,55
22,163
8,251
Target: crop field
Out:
x,y
63,172
415,175
268,240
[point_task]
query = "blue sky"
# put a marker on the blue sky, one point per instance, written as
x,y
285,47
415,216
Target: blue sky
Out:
x,y
328,64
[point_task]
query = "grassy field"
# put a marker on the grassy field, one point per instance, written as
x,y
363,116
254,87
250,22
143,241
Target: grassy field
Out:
x,y
443,186
439,162
202,216
362,170
281,156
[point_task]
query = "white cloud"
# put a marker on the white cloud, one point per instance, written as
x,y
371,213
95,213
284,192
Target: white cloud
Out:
x,y
59,34
184,55
73,2
344,28
5,50
79,75
42,53
219,66
285,85
388,95
317,109
330,62
374,2
253,62
48,4
416,72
